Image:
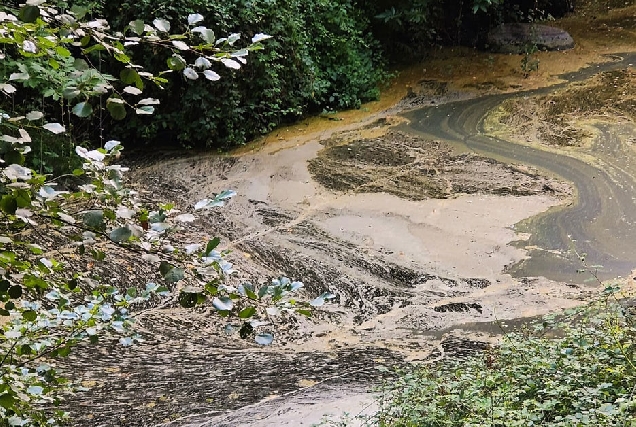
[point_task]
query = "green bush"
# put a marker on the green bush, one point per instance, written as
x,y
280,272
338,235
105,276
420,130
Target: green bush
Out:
x,y
578,371
320,57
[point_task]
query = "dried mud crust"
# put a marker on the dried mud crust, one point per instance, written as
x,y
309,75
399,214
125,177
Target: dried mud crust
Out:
x,y
552,119
416,169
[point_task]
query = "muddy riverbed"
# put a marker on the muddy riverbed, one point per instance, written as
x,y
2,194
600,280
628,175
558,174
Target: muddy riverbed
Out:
x,y
430,226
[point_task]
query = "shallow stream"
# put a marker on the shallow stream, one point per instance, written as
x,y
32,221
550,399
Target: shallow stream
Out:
x,y
598,226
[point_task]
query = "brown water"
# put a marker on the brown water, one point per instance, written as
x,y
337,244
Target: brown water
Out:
x,y
598,225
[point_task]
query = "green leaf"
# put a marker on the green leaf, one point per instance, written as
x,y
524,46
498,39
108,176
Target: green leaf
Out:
x,y
137,26
187,300
304,312
14,157
94,218
117,110
174,275
129,76
246,330
70,92
29,14
83,109
8,204
7,400
62,51
120,234
122,57
98,255
64,351
247,312
15,291
212,244
176,63
164,268
79,11
131,292
93,48
211,288
29,315
81,64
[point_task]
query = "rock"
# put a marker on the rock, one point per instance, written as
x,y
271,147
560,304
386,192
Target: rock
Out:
x,y
514,38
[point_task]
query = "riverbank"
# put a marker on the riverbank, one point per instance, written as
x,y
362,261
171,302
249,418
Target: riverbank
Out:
x,y
346,203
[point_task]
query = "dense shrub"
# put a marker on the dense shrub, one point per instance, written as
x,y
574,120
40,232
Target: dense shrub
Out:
x,y
320,57
577,369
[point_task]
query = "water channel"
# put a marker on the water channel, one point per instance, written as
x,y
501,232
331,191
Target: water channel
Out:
x,y
598,225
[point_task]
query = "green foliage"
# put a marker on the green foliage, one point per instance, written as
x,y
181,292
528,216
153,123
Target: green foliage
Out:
x,y
320,57
50,300
577,369
529,61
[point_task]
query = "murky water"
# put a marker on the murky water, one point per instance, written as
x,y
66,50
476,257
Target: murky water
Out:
x,y
598,226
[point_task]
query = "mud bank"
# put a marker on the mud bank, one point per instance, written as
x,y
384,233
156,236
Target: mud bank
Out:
x,y
403,265
411,229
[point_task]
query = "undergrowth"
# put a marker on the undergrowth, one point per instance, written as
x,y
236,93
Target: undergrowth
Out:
x,y
574,369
